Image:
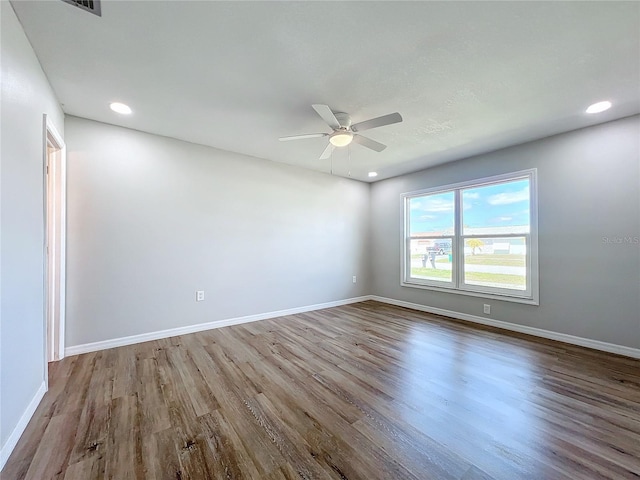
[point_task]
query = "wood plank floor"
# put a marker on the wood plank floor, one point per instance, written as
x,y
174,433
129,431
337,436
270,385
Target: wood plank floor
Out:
x,y
365,391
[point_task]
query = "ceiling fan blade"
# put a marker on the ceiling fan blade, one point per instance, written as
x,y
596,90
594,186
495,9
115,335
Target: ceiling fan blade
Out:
x,y
301,137
377,122
327,152
367,142
327,115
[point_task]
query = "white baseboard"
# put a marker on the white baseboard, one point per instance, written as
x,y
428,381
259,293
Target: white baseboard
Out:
x,y
172,332
12,441
538,332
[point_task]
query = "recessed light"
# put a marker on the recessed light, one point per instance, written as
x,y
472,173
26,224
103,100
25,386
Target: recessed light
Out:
x,y
120,108
599,107
373,174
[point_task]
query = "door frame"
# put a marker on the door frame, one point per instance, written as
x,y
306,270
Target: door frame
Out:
x,y
55,209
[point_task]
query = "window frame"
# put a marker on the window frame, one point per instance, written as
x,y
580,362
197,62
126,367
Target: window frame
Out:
x,y
457,286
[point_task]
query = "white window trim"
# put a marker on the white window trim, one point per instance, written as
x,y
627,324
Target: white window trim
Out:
x,y
532,292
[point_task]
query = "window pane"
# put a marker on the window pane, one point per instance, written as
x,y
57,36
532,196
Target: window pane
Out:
x,y
501,208
432,214
431,259
496,262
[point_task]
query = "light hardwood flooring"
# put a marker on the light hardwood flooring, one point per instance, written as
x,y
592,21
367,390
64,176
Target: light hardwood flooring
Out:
x,y
365,391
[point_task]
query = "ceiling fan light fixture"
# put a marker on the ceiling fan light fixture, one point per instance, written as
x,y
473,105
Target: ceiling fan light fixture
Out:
x,y
341,138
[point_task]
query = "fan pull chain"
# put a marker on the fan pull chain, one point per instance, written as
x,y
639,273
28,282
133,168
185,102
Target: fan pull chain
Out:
x,y
349,159
331,163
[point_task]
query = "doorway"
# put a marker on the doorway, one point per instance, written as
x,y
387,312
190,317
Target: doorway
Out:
x,y
55,207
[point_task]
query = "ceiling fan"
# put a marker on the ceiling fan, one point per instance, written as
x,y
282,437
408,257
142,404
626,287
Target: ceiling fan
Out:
x,y
344,132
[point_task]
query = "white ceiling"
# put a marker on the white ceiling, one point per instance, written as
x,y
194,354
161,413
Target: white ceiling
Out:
x,y
468,77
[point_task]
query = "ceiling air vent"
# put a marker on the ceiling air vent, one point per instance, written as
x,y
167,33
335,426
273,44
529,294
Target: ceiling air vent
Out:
x,y
92,6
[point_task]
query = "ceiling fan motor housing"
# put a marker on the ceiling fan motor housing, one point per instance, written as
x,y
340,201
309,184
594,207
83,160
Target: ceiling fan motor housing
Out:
x,y
344,119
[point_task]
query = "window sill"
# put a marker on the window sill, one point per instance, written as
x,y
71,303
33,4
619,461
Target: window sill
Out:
x,y
506,298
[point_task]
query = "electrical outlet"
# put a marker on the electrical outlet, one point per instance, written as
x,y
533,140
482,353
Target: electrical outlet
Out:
x,y
199,295
355,279
487,308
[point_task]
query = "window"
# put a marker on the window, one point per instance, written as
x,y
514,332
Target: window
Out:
x,y
476,238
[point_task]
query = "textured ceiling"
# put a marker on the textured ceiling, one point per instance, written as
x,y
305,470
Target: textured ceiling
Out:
x,y
468,77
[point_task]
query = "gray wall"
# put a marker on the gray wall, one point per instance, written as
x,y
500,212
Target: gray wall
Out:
x,y
26,96
588,189
151,220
